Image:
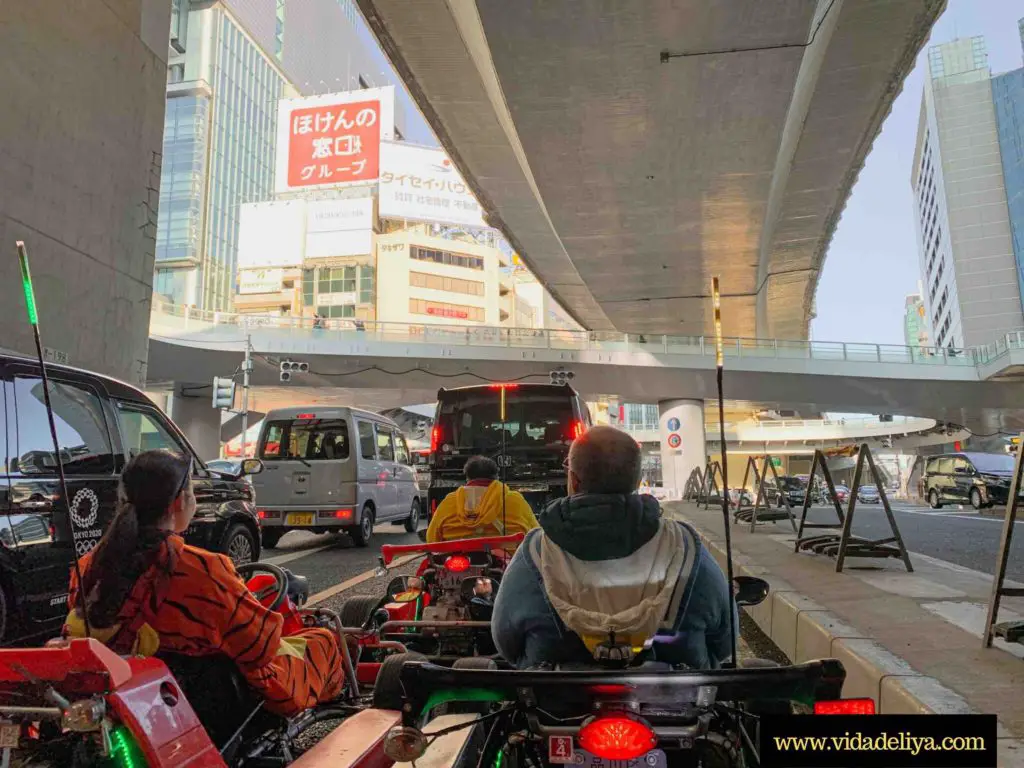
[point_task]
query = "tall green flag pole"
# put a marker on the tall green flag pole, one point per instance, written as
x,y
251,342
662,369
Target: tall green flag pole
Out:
x,y
33,319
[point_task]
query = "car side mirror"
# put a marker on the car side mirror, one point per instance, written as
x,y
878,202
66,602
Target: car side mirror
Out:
x,y
251,466
749,590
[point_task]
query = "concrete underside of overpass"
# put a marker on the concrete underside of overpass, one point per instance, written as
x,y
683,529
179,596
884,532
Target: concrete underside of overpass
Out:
x,y
954,395
626,178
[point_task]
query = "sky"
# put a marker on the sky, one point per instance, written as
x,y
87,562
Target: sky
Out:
x,y
872,263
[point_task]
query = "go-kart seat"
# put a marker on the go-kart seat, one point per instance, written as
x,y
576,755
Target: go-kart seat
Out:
x,y
217,691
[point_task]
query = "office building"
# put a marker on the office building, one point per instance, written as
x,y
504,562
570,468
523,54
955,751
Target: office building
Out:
x,y
231,62
915,323
968,267
1008,99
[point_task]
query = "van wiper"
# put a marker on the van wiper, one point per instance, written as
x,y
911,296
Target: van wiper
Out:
x,y
299,458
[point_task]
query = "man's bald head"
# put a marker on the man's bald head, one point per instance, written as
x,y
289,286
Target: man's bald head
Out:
x,y
605,460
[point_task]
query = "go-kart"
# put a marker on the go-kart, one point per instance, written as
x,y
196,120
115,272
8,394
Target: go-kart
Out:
x,y
77,703
443,611
618,712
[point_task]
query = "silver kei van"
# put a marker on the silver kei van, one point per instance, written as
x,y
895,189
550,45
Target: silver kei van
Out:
x,y
331,469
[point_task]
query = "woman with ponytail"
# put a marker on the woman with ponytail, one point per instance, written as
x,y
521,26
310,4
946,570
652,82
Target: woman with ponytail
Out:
x,y
145,590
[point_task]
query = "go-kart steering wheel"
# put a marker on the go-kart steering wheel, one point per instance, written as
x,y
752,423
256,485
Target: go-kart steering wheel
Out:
x,y
247,570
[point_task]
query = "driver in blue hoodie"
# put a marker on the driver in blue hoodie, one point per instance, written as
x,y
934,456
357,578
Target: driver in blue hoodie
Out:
x,y
606,572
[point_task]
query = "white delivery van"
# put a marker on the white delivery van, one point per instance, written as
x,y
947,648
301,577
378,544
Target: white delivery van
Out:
x,y
330,469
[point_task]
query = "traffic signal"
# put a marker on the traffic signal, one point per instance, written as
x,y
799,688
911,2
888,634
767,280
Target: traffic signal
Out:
x,y
223,393
290,367
562,377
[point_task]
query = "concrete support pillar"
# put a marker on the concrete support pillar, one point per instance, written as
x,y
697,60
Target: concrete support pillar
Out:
x,y
190,408
682,440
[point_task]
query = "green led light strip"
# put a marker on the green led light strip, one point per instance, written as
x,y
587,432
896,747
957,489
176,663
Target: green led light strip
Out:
x,y
26,284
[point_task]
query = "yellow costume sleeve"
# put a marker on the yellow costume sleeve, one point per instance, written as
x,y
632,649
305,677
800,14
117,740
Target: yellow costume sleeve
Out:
x,y
520,514
444,509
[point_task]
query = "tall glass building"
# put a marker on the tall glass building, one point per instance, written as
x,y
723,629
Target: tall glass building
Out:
x,y
231,62
1008,100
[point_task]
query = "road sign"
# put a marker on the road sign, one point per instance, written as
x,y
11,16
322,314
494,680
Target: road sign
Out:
x,y
674,440
673,424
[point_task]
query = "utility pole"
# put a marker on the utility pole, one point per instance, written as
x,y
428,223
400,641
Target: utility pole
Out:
x,y
246,373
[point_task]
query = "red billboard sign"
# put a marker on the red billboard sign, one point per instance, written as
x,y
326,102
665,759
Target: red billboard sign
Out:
x,y
334,144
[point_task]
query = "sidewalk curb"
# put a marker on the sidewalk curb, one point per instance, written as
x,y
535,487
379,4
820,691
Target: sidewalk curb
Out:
x,y
804,630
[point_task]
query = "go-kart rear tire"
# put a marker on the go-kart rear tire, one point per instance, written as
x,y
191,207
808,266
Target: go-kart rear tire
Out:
x,y
356,611
475,662
387,692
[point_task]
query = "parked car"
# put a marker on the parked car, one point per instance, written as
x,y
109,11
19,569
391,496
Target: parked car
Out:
x,y
738,496
978,479
795,490
101,423
334,469
869,494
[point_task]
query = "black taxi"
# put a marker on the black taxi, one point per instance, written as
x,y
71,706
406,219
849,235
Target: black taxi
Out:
x,y
101,423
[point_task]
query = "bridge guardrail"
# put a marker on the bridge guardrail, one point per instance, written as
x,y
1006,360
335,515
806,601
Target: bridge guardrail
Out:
x,y
476,335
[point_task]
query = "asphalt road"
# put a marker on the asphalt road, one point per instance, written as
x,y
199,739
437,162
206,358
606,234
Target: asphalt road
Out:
x,y
958,536
330,559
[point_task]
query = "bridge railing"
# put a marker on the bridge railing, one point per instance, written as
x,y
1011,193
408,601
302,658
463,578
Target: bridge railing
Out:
x,y
187,318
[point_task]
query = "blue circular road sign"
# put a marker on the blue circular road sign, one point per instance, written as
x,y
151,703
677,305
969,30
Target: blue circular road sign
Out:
x,y
673,424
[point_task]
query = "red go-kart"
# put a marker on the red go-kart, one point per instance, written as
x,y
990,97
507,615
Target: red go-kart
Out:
x,y
79,704
444,611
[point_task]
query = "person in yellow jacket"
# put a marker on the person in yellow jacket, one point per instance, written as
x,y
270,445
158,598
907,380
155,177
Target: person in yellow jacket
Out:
x,y
475,510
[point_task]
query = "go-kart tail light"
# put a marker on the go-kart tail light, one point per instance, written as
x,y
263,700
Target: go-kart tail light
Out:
x,y
404,745
617,737
457,563
845,707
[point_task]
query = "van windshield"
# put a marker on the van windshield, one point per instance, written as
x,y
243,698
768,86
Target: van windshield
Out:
x,y
472,421
309,440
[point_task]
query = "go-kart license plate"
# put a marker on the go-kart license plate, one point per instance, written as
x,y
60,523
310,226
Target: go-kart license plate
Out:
x,y
562,751
299,518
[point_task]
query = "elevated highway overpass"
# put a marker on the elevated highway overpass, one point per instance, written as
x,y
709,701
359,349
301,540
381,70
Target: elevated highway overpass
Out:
x,y
631,150
977,389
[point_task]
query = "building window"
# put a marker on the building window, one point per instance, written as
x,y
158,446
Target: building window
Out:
x,y
446,257
336,280
307,287
176,73
366,284
450,284
344,310
442,309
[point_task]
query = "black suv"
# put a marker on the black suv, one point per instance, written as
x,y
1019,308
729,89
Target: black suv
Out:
x,y
981,479
100,423
541,421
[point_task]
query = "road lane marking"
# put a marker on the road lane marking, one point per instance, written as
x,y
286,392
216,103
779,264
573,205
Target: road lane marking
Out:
x,y
287,558
319,597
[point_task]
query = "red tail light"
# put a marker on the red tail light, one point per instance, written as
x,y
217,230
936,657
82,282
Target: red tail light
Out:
x,y
457,563
504,386
435,439
845,707
577,430
433,506
617,737
305,416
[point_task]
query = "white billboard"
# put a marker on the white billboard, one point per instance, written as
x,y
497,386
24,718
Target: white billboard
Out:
x,y
422,184
334,139
271,234
339,227
260,280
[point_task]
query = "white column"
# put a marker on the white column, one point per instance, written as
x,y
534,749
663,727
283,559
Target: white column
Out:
x,y
681,424
192,410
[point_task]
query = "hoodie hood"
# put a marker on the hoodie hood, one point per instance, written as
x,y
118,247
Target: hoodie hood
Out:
x,y
478,506
596,526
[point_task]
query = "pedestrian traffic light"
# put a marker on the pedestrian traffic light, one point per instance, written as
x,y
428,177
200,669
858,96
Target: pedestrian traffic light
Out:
x,y
223,393
290,367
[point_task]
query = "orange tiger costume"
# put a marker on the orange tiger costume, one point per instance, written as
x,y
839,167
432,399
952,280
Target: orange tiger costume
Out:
x,y
192,602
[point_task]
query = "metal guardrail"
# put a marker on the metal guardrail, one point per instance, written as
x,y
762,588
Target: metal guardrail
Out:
x,y
477,335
